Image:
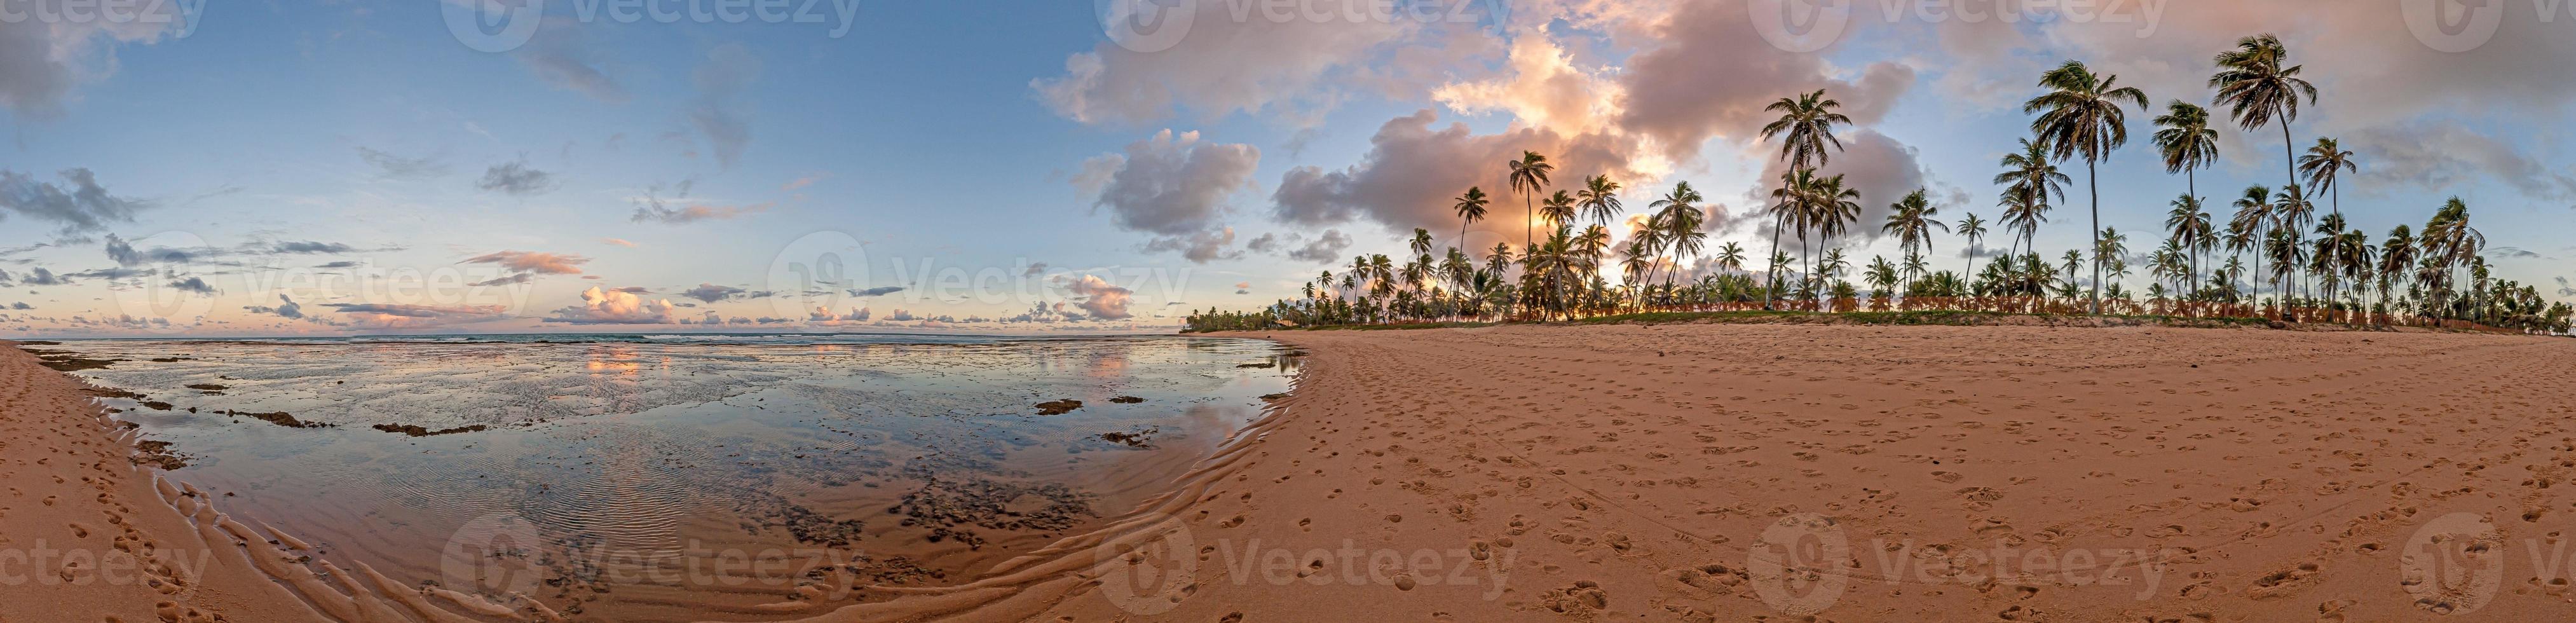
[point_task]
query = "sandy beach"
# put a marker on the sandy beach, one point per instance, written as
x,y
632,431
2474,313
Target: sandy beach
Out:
x,y
1657,473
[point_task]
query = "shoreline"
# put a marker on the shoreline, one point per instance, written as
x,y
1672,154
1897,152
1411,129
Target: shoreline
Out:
x,y
1599,473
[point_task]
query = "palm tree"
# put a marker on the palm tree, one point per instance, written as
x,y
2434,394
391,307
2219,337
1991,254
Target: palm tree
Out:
x,y
2081,116
2191,233
2259,87
1730,257
1558,209
1808,123
2187,142
1500,259
2293,210
1421,244
2450,242
2253,223
1676,221
2396,255
1831,209
1911,221
1528,178
1600,199
2030,178
1788,206
1470,208
1974,229
2323,164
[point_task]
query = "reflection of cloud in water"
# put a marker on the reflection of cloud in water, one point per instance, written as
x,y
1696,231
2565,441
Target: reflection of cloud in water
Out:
x,y
643,448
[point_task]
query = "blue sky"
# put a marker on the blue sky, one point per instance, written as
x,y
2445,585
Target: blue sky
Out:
x,y
1082,182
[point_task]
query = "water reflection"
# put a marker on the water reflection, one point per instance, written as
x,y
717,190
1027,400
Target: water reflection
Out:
x,y
926,461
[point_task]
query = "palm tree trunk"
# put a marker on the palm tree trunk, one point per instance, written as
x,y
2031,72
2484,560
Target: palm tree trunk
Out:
x,y
2094,181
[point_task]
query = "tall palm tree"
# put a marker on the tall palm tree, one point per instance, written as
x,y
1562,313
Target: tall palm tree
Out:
x,y
1557,210
2293,210
2191,233
1600,199
2252,226
1834,207
2030,179
2186,141
1911,220
1808,123
1470,208
1528,178
2322,166
2450,242
1788,206
1676,221
1974,229
1421,244
2259,86
2396,255
2081,116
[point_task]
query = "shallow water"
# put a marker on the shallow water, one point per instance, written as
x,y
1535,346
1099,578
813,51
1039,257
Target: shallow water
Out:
x,y
655,476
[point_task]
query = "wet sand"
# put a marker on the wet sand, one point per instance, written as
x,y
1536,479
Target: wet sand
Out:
x,y
1744,473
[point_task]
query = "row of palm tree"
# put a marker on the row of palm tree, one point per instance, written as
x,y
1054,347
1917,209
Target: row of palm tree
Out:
x,y
2406,278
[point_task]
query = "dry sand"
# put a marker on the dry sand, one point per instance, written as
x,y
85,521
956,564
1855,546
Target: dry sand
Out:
x,y
1716,473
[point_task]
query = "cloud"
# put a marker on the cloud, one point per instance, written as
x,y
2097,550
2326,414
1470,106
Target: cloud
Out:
x,y
1411,169
380,315
2440,155
339,264
711,293
559,55
398,167
617,242
516,179
1035,269
38,276
877,291
193,285
1223,65
1173,186
1201,247
728,69
124,254
526,265
601,306
42,61
652,208
801,182
1326,248
310,247
288,308
1695,85
80,206
23,306
1099,298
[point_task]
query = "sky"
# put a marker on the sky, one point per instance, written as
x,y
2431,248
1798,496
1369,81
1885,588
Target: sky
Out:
x,y
179,167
